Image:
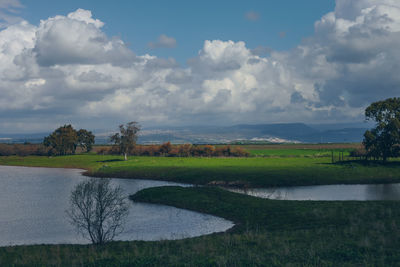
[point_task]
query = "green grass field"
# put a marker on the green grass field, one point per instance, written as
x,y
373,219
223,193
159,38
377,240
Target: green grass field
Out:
x,y
300,150
252,171
267,232
296,152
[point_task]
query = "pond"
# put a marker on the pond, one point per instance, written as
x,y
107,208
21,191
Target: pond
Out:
x,y
361,192
33,203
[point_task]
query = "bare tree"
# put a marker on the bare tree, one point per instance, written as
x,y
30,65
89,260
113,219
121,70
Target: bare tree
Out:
x,y
98,210
126,138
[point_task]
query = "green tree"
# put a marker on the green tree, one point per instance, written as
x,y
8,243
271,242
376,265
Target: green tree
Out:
x,y
85,139
383,141
126,138
63,140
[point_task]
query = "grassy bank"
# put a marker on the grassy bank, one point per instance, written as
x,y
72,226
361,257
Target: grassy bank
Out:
x,y
269,233
296,232
252,171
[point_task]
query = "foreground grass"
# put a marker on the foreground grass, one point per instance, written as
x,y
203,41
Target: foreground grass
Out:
x,y
252,171
268,233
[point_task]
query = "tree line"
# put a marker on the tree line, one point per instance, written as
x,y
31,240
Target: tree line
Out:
x,y
185,150
24,150
65,140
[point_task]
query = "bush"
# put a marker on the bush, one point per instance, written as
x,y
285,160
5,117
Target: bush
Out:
x,y
23,150
185,150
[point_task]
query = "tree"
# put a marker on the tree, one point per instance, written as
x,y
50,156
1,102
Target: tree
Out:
x,y
85,139
126,138
63,140
383,141
98,210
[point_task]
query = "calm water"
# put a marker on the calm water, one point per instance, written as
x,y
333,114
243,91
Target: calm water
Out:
x,y
328,192
33,203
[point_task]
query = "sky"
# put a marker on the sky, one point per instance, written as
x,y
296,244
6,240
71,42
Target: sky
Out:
x,y
98,64
276,24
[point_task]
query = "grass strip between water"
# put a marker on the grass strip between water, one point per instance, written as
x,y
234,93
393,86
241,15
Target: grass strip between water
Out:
x,y
268,233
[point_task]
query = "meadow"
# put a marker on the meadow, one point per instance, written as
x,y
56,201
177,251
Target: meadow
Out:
x,y
300,150
289,166
267,232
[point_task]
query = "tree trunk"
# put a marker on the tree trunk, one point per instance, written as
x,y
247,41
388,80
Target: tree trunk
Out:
x,y
125,156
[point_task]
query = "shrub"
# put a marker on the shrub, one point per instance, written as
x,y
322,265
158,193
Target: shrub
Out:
x,y
165,148
23,150
185,150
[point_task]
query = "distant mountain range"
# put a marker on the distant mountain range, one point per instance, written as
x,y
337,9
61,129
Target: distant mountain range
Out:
x,y
22,138
242,133
274,133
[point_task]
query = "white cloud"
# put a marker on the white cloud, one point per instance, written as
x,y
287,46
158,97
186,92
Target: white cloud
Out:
x,y
86,16
77,39
8,12
163,41
354,53
67,69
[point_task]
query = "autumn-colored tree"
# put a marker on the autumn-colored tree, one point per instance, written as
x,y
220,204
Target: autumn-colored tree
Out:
x,y
165,148
208,150
184,150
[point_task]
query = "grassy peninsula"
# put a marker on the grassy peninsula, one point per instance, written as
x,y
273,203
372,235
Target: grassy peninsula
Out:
x,y
268,233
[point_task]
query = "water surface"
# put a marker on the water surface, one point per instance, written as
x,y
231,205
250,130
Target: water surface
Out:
x,y
33,203
361,192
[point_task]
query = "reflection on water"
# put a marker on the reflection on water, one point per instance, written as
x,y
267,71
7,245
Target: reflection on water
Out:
x,y
360,192
33,203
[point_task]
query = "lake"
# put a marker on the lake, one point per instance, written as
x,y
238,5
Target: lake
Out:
x,y
361,192
33,203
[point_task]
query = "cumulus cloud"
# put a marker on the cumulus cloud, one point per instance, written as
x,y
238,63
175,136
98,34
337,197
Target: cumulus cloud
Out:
x,y
77,39
163,41
66,69
354,53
